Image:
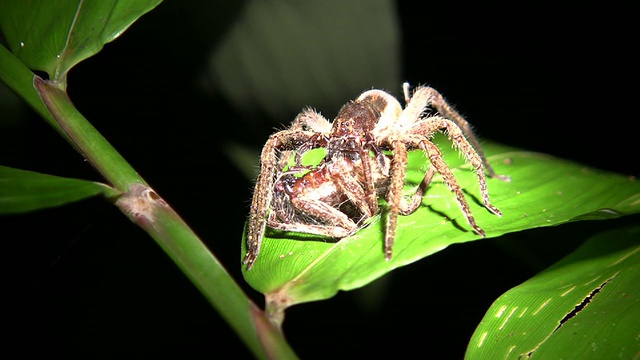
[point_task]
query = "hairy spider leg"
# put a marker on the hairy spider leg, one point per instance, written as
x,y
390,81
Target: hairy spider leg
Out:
x,y
308,120
394,194
437,123
427,96
397,202
435,157
285,140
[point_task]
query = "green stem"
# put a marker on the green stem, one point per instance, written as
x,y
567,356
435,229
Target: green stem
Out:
x,y
85,138
145,208
19,78
148,210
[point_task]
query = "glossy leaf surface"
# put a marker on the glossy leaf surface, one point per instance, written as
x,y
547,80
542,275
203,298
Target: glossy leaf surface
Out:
x,y
53,36
585,306
544,191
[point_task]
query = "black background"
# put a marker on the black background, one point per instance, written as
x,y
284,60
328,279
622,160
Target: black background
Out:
x,y
83,280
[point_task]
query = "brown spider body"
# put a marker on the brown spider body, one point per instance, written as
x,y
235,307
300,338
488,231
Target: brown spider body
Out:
x,y
366,159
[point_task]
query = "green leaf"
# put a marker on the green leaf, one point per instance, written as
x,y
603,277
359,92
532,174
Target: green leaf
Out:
x,y
54,35
585,306
544,191
22,190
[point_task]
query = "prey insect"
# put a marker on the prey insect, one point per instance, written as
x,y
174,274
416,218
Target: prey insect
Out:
x,y
366,158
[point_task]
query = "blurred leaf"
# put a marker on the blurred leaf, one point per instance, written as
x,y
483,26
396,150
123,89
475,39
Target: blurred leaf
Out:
x,y
339,48
585,306
243,157
544,191
54,35
22,191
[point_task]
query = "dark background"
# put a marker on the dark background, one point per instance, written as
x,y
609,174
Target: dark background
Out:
x,y
83,280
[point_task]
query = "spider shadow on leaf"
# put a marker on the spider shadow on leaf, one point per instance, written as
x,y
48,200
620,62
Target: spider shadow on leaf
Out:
x,y
298,236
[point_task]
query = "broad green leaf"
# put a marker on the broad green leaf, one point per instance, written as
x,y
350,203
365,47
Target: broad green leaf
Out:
x,y
586,306
22,190
544,191
54,35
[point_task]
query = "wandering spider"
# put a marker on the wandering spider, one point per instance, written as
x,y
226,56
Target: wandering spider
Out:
x,y
366,158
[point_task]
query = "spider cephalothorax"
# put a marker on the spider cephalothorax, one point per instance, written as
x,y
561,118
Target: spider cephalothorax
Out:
x,y
366,158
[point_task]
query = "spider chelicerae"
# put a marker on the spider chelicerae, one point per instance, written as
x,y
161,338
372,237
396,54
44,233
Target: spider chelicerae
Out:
x,y
366,157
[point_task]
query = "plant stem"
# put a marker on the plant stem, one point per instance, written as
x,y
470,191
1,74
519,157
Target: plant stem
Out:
x,y
147,209
85,138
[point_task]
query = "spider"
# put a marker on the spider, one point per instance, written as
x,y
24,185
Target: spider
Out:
x,y
366,157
